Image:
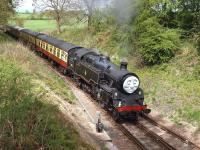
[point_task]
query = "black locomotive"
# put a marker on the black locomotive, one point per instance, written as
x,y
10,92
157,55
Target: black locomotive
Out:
x,y
114,87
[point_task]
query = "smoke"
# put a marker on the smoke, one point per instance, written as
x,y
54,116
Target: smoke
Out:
x,y
126,10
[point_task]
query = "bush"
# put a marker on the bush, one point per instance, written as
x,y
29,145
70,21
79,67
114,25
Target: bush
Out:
x,y
155,43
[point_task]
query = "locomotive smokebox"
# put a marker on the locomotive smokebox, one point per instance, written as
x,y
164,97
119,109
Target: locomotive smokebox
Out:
x,y
123,65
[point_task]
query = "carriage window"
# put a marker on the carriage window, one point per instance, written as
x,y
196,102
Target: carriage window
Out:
x,y
54,50
43,45
46,47
62,55
50,48
58,53
37,42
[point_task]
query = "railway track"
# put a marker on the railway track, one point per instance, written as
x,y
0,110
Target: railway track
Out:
x,y
147,134
163,133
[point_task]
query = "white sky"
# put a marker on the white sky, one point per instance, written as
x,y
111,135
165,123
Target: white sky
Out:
x,y
26,5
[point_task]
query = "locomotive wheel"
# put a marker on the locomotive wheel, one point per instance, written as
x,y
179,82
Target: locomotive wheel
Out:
x,y
116,116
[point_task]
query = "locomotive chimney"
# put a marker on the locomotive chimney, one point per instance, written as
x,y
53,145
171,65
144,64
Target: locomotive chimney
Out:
x,y
123,65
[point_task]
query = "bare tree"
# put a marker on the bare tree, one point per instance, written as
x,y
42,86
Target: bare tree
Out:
x,y
57,8
89,4
86,6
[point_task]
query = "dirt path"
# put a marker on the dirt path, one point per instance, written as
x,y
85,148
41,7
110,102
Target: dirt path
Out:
x,y
76,115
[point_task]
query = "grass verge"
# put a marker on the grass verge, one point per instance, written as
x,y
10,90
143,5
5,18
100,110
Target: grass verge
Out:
x,y
25,121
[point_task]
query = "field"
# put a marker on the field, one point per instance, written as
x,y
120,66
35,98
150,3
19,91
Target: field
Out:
x,y
40,25
35,22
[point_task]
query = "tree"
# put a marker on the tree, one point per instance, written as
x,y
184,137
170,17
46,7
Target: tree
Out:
x,y
6,11
57,8
155,42
89,9
189,14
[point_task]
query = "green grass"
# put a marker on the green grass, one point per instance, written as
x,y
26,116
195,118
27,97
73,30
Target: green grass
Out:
x,y
40,25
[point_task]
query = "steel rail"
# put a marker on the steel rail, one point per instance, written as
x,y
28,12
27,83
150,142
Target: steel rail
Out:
x,y
132,137
183,139
155,137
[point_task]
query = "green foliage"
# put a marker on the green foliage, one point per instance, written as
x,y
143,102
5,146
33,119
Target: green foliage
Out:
x,y
98,21
36,125
14,83
191,113
27,123
189,15
122,38
156,44
6,8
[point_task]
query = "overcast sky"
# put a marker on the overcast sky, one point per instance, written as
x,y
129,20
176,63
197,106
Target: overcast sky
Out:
x,y
26,5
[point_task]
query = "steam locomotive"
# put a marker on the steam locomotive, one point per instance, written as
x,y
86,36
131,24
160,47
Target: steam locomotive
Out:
x,y
114,87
